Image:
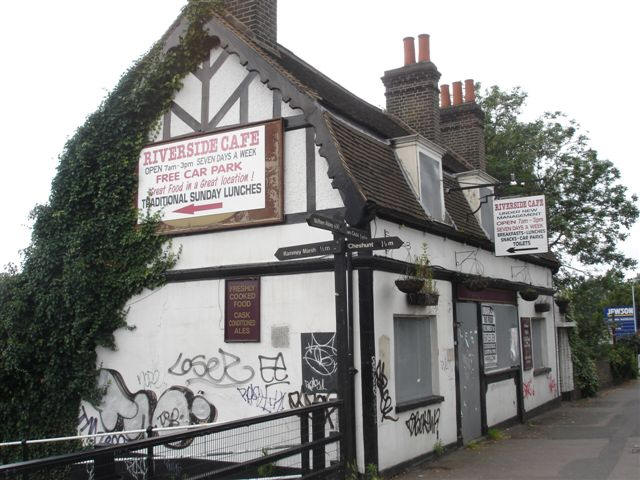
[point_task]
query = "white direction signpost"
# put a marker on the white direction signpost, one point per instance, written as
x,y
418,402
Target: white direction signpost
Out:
x,y
520,225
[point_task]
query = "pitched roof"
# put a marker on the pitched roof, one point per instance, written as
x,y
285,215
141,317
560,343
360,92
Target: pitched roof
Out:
x,y
457,206
337,98
371,163
374,166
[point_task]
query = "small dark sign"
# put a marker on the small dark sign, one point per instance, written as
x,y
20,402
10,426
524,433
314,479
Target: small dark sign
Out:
x,y
525,332
325,223
337,226
319,362
380,243
307,250
242,310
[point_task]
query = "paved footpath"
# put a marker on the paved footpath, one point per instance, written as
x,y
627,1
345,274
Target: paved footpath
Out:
x,y
596,438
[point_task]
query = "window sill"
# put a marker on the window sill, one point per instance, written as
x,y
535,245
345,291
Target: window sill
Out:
x,y
421,402
500,371
541,371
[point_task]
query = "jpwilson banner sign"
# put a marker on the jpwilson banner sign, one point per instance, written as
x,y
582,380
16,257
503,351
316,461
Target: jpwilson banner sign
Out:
x,y
520,225
215,180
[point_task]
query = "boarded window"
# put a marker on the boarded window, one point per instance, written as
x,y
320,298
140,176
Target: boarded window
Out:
x,y
505,344
539,340
431,186
413,363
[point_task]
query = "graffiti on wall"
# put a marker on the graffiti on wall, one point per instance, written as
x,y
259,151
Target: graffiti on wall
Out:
x,y
384,398
421,423
121,409
553,386
223,371
150,379
136,467
89,425
269,401
319,362
527,389
273,370
303,399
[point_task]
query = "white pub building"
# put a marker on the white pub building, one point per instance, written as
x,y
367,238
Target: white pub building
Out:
x,y
255,143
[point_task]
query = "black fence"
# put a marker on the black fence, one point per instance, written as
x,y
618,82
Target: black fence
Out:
x,y
298,443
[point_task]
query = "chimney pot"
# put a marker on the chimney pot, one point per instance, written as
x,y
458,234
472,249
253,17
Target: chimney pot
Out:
x,y
469,91
445,98
409,51
423,48
457,93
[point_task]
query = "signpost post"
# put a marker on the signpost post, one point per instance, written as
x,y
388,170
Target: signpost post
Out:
x,y
346,240
520,225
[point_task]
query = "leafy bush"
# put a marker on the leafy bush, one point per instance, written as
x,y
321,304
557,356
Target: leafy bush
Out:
x,y
438,449
585,373
623,360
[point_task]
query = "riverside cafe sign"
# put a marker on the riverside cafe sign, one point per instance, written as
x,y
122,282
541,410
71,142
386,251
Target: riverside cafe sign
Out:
x,y
520,225
211,181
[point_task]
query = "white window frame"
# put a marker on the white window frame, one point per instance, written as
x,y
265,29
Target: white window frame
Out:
x,y
408,150
539,345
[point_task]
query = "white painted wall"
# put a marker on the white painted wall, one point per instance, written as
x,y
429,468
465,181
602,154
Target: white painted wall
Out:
x,y
541,389
502,401
295,171
261,103
442,253
190,96
395,443
181,321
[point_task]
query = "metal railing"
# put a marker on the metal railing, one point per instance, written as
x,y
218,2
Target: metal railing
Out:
x,y
297,443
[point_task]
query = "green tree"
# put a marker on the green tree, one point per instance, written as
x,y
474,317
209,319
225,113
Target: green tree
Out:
x,y
588,210
91,251
590,342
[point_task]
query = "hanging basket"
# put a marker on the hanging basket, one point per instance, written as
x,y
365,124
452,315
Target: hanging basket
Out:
x,y
409,285
563,304
423,299
475,283
529,294
542,307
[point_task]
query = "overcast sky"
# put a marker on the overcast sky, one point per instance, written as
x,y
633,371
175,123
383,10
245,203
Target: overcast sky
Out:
x,y
61,58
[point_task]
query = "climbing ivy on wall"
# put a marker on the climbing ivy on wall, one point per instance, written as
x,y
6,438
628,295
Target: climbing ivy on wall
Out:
x,y
87,256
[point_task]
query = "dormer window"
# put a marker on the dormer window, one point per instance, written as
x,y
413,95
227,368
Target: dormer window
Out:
x,y
486,211
431,185
421,162
480,199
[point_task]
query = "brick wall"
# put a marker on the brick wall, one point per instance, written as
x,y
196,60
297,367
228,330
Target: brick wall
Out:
x,y
412,95
462,129
260,16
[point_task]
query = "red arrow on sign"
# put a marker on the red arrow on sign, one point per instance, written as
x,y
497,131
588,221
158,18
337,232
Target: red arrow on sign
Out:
x,y
191,209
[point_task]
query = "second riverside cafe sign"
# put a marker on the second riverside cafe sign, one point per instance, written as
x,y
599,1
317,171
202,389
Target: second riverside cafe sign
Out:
x,y
520,225
218,180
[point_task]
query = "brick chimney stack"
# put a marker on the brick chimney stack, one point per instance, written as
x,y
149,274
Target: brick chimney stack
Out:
x,y
462,123
259,16
412,90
